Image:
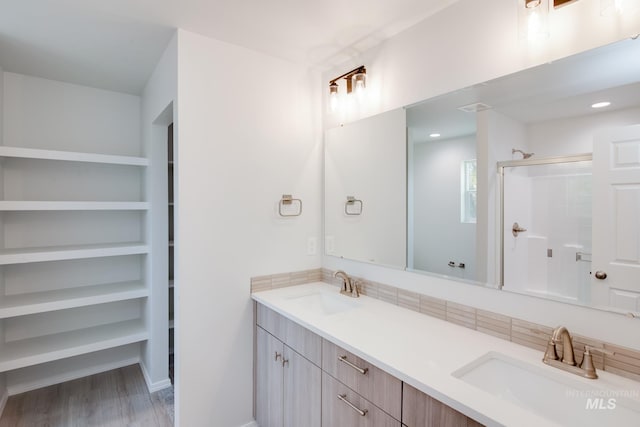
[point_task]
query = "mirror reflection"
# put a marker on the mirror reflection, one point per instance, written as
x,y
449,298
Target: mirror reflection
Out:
x,y
500,185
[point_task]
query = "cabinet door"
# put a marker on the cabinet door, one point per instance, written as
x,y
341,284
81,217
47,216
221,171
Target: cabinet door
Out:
x,y
421,410
269,380
302,391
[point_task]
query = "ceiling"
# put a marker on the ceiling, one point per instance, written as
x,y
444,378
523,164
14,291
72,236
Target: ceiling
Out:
x,y
562,89
115,44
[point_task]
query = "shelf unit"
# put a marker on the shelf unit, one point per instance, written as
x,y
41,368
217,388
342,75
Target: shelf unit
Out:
x,y
40,302
32,351
61,253
170,233
21,313
70,156
6,206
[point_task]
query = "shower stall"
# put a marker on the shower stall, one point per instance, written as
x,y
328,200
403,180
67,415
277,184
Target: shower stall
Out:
x,y
546,226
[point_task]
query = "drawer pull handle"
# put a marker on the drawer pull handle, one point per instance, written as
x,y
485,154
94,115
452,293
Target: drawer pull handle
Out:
x,y
362,412
344,360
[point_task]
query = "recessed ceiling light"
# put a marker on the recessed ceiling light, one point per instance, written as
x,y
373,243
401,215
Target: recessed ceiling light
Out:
x,y
601,104
434,135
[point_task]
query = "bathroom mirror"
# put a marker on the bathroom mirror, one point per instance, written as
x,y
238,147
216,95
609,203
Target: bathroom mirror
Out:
x,y
559,210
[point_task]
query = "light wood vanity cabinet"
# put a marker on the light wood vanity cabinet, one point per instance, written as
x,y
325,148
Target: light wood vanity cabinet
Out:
x,y
421,410
288,385
293,391
372,383
343,407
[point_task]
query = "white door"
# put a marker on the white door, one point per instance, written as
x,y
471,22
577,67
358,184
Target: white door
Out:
x,y
615,269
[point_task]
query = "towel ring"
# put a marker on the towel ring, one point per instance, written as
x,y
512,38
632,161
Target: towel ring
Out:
x,y
287,200
351,201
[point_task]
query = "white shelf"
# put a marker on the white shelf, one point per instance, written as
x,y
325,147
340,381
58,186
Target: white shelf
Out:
x,y
38,302
71,206
32,351
60,253
70,156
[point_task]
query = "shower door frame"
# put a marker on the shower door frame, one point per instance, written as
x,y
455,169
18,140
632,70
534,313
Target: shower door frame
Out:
x,y
585,157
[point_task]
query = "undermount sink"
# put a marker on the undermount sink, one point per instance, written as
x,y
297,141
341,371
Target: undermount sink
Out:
x,y
325,302
550,396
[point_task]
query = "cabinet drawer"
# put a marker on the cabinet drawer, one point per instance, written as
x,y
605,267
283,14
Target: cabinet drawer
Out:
x,y
422,410
370,382
337,409
295,336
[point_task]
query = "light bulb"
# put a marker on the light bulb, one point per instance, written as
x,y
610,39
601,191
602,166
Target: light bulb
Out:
x,y
359,82
333,96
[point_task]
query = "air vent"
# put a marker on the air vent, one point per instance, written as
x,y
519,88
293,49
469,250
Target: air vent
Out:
x,y
474,108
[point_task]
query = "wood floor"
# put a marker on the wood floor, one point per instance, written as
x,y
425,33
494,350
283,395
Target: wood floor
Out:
x,y
115,398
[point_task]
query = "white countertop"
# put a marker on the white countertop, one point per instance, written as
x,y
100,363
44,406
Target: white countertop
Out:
x,y
422,351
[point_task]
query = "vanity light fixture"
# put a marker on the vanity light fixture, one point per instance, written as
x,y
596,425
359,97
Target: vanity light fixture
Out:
x,y
434,135
620,7
601,104
356,81
533,19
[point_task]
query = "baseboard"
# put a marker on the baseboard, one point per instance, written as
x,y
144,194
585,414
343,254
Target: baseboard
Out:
x,y
251,424
158,385
68,376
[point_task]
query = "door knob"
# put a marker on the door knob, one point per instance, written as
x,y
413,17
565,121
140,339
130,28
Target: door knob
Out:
x,y
516,229
601,275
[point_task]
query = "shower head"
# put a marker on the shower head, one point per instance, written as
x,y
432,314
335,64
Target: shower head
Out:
x,y
524,155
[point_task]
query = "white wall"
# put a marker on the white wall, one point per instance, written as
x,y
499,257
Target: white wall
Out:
x,y
158,104
248,132
575,135
439,235
436,57
47,114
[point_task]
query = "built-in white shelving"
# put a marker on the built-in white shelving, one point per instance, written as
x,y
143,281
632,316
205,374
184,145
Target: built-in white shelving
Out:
x,y
71,156
60,253
71,206
75,211
32,351
40,302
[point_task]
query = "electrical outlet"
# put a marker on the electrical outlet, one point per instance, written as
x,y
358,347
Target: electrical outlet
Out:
x,y
329,244
312,246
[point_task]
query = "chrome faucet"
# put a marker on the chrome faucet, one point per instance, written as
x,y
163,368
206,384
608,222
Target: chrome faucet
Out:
x,y
568,363
348,286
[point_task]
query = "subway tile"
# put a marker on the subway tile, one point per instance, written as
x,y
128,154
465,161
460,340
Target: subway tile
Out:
x,y
260,283
298,278
493,324
433,307
260,286
369,289
408,299
314,275
387,293
461,315
280,280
